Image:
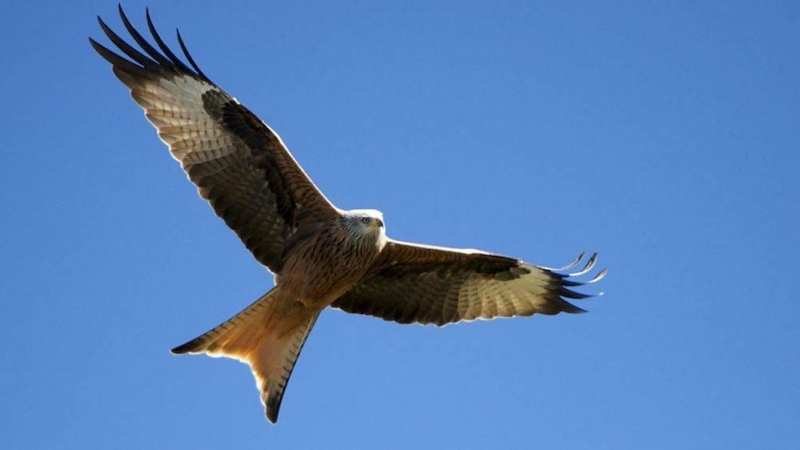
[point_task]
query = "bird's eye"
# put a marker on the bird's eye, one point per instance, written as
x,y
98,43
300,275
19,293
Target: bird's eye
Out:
x,y
365,220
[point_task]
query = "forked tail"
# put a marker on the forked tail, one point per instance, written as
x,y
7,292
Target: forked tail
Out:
x,y
264,337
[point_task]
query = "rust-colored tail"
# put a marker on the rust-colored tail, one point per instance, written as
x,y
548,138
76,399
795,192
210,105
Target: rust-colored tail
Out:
x,y
263,337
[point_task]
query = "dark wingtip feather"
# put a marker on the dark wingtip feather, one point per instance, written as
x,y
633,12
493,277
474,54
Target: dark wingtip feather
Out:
x,y
599,276
569,293
588,267
189,57
163,61
568,307
160,42
567,282
125,47
117,61
572,264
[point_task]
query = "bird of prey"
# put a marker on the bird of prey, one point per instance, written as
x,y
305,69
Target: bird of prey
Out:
x,y
320,255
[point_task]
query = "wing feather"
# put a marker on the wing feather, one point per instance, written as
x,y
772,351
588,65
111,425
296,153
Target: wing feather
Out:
x,y
434,285
237,162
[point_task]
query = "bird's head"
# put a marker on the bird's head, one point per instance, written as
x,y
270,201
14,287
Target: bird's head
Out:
x,y
367,222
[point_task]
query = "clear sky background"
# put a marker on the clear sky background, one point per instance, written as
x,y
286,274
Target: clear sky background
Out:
x,y
664,135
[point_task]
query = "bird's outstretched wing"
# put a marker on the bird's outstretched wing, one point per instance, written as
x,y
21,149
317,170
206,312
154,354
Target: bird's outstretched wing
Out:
x,y
432,285
237,162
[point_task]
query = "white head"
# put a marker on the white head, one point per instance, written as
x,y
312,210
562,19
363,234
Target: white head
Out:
x,y
367,222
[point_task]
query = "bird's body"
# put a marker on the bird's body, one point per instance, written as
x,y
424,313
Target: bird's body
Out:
x,y
321,255
269,334
357,246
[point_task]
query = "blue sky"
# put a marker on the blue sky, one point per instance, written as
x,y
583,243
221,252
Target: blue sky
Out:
x,y
663,135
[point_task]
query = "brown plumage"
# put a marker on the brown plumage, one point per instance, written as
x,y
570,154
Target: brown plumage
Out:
x,y
321,256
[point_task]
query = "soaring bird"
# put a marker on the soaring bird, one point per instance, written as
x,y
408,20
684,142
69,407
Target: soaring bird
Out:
x,y
320,255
